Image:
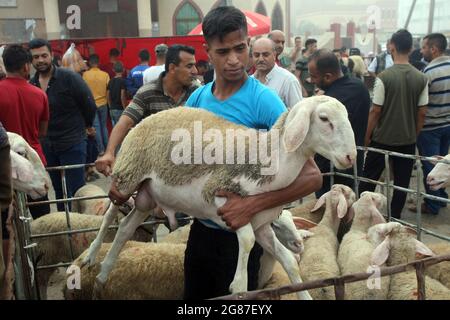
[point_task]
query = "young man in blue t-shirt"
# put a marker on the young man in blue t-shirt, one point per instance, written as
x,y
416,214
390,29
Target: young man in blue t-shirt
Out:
x,y
211,253
135,79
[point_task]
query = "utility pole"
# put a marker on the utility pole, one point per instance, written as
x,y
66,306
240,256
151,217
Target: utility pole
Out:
x,y
410,14
431,16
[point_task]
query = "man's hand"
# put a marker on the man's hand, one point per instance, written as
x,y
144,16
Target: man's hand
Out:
x,y
104,164
237,211
91,132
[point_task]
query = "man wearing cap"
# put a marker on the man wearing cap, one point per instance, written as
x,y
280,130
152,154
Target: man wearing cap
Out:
x,y
152,73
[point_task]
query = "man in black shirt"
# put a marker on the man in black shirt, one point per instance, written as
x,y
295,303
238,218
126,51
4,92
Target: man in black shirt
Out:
x,y
326,73
72,111
117,93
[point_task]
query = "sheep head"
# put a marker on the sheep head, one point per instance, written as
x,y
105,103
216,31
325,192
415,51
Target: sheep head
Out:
x,y
341,199
286,231
439,177
368,208
400,245
28,172
321,125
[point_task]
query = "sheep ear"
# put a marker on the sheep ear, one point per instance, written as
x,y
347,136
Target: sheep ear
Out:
x,y
21,168
377,217
435,162
304,224
381,253
320,202
422,249
350,215
304,234
342,207
297,126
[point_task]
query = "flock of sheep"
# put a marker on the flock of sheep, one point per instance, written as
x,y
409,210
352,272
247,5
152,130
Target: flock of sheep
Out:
x,y
323,247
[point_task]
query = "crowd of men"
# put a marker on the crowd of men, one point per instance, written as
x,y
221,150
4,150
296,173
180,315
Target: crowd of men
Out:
x,y
63,115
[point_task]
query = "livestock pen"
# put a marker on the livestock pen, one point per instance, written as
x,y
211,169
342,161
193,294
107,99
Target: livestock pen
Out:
x,y
26,286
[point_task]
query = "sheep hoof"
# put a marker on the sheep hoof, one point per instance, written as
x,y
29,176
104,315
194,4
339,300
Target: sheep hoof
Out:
x,y
236,287
99,286
88,260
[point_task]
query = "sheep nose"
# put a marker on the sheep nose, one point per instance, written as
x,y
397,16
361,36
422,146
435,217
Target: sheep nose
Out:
x,y
350,160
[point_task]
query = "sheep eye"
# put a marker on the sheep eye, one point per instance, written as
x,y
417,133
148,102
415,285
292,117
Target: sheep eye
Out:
x,y
324,118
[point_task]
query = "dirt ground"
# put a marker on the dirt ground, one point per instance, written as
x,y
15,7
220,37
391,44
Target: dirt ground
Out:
x,y
439,224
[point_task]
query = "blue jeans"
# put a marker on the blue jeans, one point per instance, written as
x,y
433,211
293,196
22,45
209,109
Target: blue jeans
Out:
x,y
431,143
74,177
100,127
115,115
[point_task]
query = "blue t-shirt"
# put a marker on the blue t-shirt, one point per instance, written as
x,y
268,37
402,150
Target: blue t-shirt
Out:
x,y
135,79
253,105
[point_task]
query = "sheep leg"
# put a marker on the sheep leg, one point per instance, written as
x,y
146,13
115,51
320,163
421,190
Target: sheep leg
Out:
x,y
108,219
246,240
265,236
127,227
267,263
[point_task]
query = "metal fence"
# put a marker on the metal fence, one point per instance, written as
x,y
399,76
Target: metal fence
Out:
x,y
26,240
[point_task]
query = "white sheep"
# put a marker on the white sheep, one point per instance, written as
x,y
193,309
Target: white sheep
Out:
x,y
439,177
440,271
28,172
319,258
53,250
318,124
355,250
400,247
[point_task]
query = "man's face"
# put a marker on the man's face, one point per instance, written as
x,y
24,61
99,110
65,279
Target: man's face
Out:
x,y
312,48
426,51
279,40
42,59
186,71
322,81
230,56
264,55
298,42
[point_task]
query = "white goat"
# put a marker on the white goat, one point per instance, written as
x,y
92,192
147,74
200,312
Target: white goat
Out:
x,y
439,177
28,172
318,124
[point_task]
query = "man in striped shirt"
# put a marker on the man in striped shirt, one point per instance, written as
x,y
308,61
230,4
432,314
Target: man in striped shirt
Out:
x,y
434,138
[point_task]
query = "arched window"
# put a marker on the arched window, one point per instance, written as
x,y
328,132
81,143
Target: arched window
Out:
x,y
277,17
261,8
187,17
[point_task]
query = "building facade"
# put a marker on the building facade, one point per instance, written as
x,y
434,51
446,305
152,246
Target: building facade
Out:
x,y
21,20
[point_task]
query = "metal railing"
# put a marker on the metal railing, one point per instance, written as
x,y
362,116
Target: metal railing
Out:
x,y
26,239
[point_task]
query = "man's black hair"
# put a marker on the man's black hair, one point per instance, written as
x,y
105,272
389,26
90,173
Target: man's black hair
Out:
x,y
438,40
403,41
94,59
337,50
223,20
297,37
118,67
310,42
15,57
326,61
203,63
173,54
144,55
114,52
39,43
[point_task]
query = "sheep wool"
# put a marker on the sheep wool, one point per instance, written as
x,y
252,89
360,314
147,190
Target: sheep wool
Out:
x,y
440,271
145,150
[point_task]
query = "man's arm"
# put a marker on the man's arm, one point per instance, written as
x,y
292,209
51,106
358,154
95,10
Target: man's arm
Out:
x,y
123,97
84,98
421,119
374,117
238,211
43,126
108,97
104,164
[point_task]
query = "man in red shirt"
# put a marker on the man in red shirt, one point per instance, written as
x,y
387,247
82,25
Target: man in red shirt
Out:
x,y
23,107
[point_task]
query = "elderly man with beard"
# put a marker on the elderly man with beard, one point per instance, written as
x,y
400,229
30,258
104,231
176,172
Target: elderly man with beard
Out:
x,y
285,84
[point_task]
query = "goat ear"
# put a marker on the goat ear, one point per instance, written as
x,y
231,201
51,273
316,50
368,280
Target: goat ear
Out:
x,y
422,249
297,126
320,202
381,253
342,207
304,224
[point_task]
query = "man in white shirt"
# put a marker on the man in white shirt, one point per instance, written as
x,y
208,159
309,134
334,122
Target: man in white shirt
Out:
x,y
381,62
285,84
153,73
